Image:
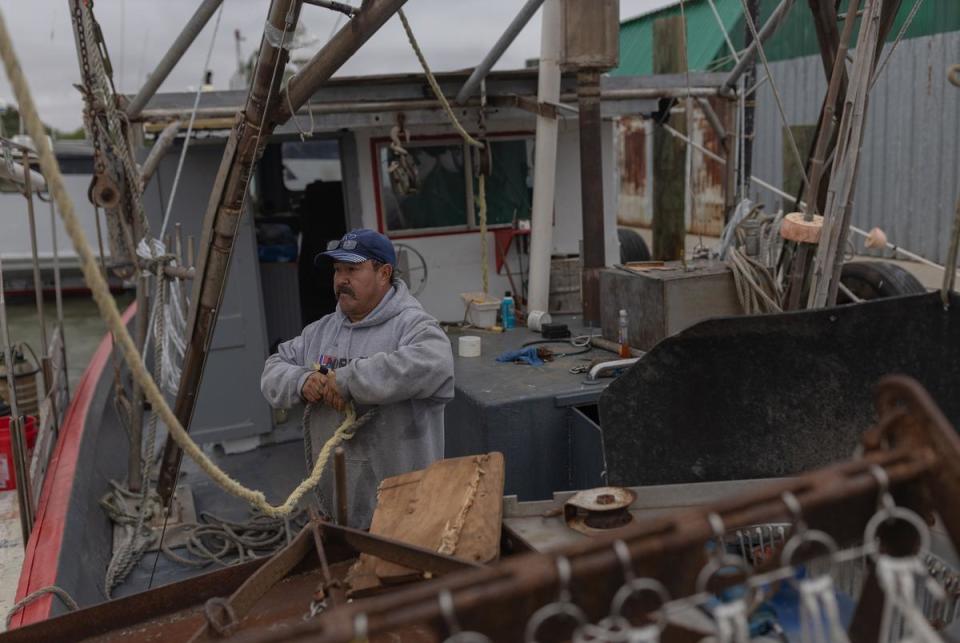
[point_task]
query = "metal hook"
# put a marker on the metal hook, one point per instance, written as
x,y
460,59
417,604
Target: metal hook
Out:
x,y
360,627
623,554
637,586
884,499
563,577
445,599
563,606
719,530
796,511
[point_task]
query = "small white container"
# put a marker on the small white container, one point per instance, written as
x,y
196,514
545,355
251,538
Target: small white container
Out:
x,y
481,309
536,319
469,346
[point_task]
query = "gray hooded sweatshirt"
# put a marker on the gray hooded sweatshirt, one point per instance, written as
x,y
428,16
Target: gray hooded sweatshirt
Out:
x,y
396,359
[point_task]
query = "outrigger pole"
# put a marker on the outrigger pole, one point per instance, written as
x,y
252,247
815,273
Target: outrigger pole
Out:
x,y
266,107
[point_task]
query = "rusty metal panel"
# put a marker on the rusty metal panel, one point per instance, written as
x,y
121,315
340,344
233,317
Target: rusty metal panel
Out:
x,y
634,151
706,180
908,182
635,168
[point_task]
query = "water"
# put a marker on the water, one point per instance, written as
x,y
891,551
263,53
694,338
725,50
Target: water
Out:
x,y
82,327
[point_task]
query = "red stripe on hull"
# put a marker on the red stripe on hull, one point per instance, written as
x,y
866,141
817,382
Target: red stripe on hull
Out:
x,y
42,555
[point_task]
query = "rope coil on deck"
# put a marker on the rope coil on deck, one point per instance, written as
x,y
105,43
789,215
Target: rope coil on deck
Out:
x,y
111,315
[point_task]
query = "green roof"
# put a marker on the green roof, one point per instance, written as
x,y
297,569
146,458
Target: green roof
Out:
x,y
704,38
796,37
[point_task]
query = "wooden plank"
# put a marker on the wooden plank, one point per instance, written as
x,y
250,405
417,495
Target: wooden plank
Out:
x,y
669,153
454,506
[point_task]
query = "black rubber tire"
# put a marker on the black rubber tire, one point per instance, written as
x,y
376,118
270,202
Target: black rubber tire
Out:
x,y
876,280
632,246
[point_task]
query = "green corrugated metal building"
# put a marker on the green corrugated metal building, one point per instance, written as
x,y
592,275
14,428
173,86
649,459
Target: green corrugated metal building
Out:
x,y
707,51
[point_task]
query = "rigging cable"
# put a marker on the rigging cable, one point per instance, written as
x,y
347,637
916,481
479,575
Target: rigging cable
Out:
x,y
193,117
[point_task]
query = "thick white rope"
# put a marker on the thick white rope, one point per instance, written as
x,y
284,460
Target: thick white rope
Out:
x,y
111,315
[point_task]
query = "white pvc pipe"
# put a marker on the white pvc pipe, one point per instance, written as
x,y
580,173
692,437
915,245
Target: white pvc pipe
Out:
x,y
545,158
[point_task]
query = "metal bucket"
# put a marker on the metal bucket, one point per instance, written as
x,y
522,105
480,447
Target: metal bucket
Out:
x,y
25,379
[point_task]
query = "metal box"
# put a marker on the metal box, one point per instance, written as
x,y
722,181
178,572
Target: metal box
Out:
x,y
591,34
665,299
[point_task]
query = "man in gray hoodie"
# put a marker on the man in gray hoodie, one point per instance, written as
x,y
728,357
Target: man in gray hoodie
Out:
x,y
381,351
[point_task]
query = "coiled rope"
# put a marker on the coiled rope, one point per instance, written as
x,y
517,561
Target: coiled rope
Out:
x,y
111,315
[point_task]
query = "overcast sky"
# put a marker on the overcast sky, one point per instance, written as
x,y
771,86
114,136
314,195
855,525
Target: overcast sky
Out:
x,y
453,33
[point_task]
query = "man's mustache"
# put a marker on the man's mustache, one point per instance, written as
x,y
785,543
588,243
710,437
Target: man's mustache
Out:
x,y
346,290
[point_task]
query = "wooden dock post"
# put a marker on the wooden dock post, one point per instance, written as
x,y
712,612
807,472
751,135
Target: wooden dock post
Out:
x,y
669,153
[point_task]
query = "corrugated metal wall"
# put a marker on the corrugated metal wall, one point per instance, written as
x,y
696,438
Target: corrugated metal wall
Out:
x,y
910,174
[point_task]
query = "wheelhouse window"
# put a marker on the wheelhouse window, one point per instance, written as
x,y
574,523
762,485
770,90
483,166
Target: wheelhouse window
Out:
x,y
430,186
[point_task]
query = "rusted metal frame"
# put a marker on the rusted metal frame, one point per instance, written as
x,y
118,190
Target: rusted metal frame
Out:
x,y
910,419
133,611
839,500
301,86
340,486
259,583
394,551
591,191
331,590
526,103
222,221
498,600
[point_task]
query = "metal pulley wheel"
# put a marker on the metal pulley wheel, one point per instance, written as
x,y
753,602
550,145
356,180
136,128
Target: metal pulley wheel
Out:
x,y
482,159
104,192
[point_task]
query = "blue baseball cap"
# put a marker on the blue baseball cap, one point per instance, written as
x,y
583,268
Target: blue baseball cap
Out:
x,y
358,246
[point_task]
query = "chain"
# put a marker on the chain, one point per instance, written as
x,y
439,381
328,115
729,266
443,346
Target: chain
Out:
x,y
104,112
85,88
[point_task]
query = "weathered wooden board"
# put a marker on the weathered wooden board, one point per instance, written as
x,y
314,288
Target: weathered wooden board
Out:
x,y
454,506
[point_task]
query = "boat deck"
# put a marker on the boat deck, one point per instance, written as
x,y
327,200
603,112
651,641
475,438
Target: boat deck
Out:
x,y
274,469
